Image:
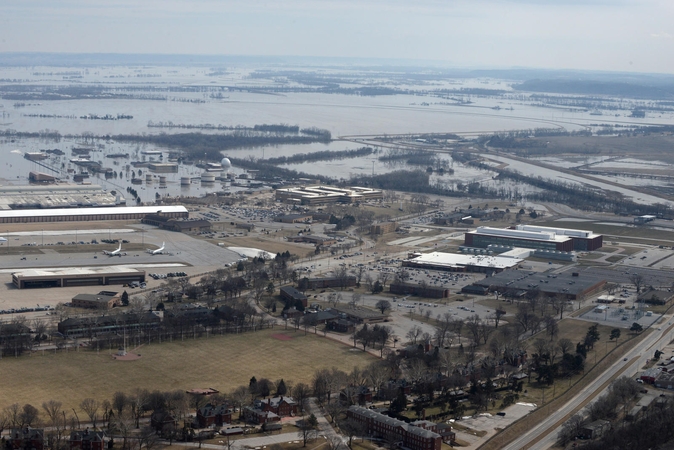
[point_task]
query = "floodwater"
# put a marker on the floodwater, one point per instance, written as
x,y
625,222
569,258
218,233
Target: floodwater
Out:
x,y
533,170
342,115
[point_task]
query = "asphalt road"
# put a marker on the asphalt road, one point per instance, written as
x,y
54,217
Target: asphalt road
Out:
x,y
637,357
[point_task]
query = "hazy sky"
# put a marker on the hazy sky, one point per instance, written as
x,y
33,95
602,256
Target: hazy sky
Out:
x,y
629,35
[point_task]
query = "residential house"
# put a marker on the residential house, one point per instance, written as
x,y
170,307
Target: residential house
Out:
x,y
282,406
595,429
87,440
162,420
214,415
26,439
258,416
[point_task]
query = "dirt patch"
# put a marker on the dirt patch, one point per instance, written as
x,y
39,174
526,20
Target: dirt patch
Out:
x,y
127,357
282,337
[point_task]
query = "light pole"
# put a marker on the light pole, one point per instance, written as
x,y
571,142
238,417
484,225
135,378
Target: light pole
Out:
x,y
43,237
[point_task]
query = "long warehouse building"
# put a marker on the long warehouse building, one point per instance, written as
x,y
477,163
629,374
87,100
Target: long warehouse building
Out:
x,y
90,214
66,277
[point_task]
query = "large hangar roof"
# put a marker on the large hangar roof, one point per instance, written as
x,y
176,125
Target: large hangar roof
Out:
x,y
91,211
70,271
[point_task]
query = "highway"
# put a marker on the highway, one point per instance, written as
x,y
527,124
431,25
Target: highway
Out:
x,y
548,430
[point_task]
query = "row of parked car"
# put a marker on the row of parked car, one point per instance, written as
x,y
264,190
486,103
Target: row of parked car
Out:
x,y
162,276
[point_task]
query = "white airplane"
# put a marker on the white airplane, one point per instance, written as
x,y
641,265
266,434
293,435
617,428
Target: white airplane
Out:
x,y
117,252
158,251
3,239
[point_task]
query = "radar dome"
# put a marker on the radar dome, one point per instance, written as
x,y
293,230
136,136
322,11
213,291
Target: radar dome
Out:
x,y
226,164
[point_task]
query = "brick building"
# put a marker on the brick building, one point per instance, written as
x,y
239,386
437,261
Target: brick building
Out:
x,y
281,406
87,440
214,415
388,428
26,439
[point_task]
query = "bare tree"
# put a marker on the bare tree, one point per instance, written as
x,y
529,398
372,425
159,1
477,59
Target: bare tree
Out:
x,y
637,280
90,407
300,393
414,333
383,306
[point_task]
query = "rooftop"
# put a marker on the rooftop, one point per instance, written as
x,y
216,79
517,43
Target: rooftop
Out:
x,y
68,271
91,211
521,234
459,260
563,283
586,234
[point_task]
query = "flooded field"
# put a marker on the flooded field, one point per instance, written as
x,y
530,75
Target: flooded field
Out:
x,y
91,105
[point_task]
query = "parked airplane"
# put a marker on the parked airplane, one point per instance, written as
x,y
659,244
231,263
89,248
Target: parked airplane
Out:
x,y
158,251
117,252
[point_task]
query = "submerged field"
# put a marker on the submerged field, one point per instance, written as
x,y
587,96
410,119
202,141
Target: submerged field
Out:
x,y
221,362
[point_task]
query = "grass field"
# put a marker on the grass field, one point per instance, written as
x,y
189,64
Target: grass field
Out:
x,y
222,362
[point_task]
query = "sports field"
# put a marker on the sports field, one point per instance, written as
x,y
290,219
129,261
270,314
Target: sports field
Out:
x,y
222,363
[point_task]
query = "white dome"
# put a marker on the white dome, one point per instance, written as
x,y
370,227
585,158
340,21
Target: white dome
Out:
x,y
226,164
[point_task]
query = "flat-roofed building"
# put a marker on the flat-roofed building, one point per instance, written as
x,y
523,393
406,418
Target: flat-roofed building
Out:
x,y
453,262
89,214
572,285
293,218
168,223
81,276
163,167
56,195
102,300
292,295
321,194
383,228
483,237
393,430
583,240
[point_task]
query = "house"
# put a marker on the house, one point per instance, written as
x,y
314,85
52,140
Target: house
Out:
x,y
256,415
595,429
87,440
446,433
161,420
665,380
282,406
394,430
356,395
650,375
26,438
341,326
291,296
214,415
655,297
